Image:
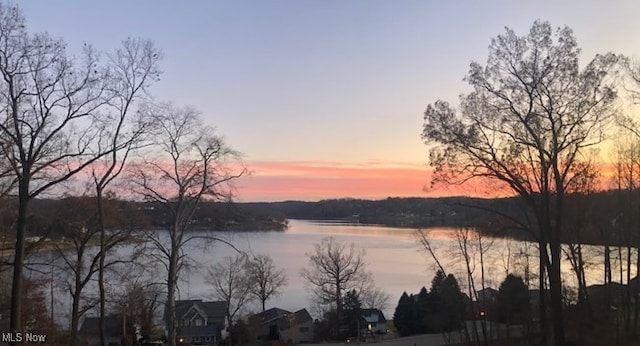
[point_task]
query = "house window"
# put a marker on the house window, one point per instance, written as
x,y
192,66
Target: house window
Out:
x,y
196,339
207,338
198,322
304,329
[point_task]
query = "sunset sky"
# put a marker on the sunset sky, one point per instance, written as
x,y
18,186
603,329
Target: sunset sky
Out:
x,y
325,98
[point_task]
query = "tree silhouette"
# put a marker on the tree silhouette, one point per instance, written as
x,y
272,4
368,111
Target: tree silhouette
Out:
x,y
513,301
526,123
264,279
187,164
230,283
451,303
336,268
402,315
49,123
352,308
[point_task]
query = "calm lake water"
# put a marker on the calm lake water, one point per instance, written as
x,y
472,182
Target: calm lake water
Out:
x,y
396,260
392,256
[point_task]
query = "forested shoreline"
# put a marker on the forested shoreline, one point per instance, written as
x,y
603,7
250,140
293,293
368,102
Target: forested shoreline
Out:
x,y
50,215
488,215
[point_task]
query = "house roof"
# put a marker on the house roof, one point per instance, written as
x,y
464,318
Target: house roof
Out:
x,y
282,318
186,309
91,326
487,294
270,315
366,312
303,316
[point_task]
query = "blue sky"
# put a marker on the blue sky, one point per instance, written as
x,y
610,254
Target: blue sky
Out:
x,y
324,82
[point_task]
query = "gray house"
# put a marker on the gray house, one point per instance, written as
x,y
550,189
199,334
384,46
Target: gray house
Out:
x,y
283,325
200,323
375,323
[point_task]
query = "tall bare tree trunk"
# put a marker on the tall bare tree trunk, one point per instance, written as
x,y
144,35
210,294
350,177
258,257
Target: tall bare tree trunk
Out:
x,y
76,297
101,288
544,323
19,257
172,283
555,294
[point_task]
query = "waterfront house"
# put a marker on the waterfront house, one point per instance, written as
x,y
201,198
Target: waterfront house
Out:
x,y
278,324
199,322
375,322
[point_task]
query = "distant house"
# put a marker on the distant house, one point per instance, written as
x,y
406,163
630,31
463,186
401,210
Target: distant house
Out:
x,y
609,294
487,296
375,321
279,324
89,332
486,303
200,323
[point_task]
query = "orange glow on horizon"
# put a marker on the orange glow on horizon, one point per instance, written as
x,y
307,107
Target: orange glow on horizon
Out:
x,y
271,181
312,181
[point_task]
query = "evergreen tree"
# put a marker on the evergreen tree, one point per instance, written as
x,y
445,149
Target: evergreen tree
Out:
x,y
402,315
436,282
433,317
452,304
420,310
513,300
352,313
440,310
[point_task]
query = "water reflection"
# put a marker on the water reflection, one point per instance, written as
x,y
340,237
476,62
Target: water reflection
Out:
x,y
393,255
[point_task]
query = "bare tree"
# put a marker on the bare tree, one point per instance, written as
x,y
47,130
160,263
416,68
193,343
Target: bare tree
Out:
x,y
531,114
187,164
230,282
580,215
473,250
625,223
35,317
136,303
49,126
264,279
133,68
374,297
77,221
423,238
335,268
628,121
627,180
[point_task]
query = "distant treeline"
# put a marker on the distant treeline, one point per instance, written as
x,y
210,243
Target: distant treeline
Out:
x,y
594,214
223,216
47,214
397,212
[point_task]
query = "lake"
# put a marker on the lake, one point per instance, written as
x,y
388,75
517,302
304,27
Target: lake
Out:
x,y
392,255
396,260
